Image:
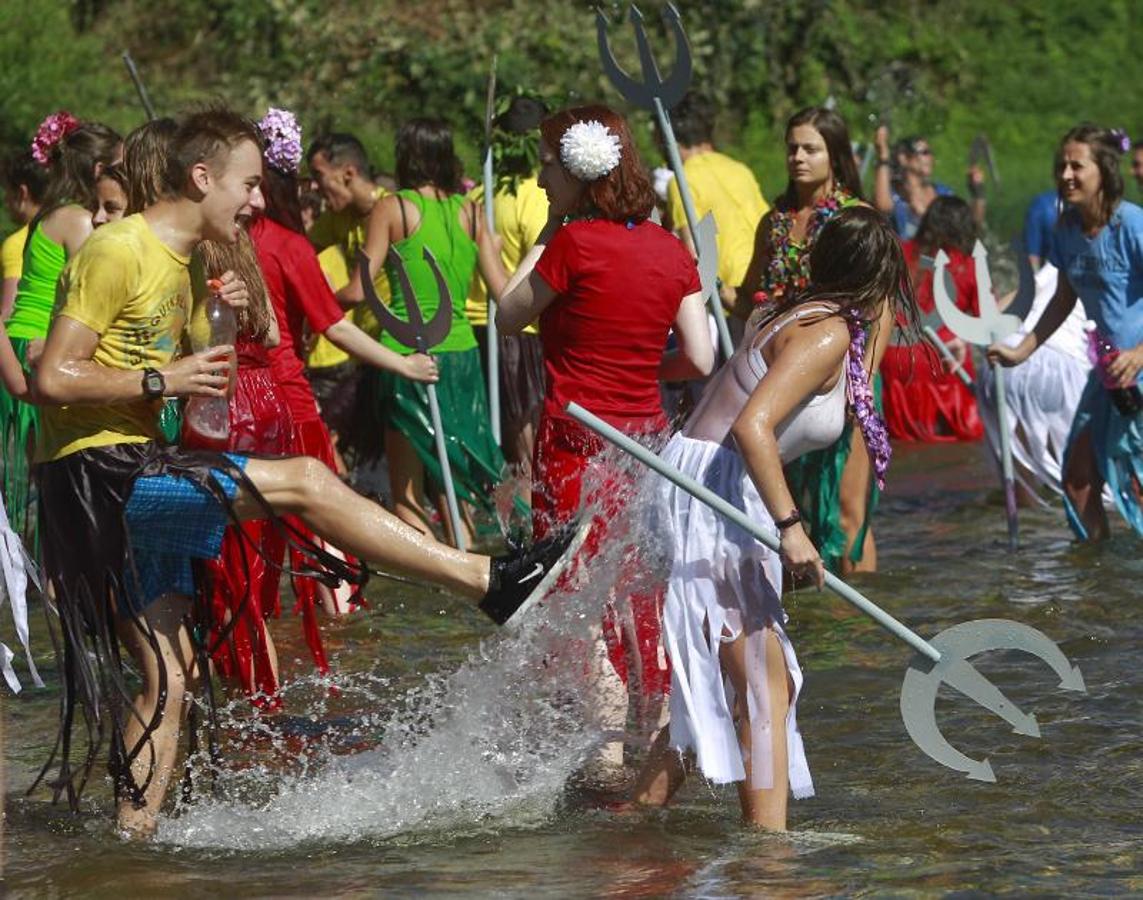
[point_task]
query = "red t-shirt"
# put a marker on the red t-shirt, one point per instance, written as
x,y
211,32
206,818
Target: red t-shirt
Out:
x,y
618,291
300,295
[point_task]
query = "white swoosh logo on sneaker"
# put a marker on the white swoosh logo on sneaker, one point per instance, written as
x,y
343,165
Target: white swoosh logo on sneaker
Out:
x,y
533,574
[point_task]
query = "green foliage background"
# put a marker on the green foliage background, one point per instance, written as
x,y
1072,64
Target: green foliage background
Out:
x,y
1021,71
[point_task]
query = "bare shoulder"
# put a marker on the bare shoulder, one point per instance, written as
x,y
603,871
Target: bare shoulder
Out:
x,y
825,336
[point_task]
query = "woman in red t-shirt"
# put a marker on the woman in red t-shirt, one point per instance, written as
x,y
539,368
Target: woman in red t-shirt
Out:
x,y
608,286
301,297
922,401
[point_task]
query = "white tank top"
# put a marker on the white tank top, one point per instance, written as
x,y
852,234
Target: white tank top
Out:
x,y
815,423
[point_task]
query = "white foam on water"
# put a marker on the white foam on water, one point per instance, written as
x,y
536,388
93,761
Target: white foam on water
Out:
x,y
489,745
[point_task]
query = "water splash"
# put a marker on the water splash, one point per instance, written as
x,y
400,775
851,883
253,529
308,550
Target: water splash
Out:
x,y
490,744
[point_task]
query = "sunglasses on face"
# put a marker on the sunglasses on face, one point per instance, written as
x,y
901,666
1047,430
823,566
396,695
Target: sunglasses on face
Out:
x,y
922,151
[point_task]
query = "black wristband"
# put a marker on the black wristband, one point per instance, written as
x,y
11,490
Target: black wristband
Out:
x,y
792,519
882,162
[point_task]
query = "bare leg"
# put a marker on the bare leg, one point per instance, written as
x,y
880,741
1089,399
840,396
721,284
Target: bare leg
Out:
x,y
854,496
466,526
662,774
1084,487
166,616
406,475
307,488
765,807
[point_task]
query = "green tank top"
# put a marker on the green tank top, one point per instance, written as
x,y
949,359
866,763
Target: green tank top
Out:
x,y
44,260
455,252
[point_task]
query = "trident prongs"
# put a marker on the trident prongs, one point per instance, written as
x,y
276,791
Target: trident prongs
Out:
x,y
643,93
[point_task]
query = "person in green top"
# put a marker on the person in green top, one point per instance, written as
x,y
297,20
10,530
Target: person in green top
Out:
x,y
429,211
74,154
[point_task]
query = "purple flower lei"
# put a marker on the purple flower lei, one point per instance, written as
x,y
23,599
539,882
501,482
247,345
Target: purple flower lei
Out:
x,y
283,138
860,396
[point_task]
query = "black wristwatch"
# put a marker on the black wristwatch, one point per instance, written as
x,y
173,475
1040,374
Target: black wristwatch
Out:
x,y
154,385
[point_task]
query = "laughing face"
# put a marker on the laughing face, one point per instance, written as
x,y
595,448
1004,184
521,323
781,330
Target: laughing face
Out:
x,y
1080,183
231,191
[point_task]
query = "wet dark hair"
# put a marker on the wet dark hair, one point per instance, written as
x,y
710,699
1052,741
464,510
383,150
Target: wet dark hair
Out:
x,y
425,155
624,193
201,136
22,170
283,203
340,149
145,155
115,172
72,166
857,262
1106,152
692,119
834,132
947,222
516,139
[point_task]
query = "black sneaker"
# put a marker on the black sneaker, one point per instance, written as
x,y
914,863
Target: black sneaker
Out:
x,y
521,578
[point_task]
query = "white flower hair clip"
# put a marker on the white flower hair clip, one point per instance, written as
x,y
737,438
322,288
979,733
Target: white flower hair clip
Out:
x,y
589,150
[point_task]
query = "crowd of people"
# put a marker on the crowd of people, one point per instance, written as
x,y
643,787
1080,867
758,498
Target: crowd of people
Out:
x,y
209,260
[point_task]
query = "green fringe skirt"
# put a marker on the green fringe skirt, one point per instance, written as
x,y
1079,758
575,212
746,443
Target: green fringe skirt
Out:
x,y
391,401
19,429
815,482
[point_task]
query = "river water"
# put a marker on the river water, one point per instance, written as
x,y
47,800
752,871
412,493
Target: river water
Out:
x,y
446,761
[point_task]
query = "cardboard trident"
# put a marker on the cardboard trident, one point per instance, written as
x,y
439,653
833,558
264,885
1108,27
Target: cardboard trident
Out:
x,y
490,225
659,94
422,337
943,660
990,326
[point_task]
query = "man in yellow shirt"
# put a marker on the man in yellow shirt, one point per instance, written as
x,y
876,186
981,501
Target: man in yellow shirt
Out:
x,y
520,208
123,516
719,185
25,182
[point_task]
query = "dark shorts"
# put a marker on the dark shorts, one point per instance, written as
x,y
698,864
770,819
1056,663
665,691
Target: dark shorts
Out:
x,y
128,519
521,377
335,389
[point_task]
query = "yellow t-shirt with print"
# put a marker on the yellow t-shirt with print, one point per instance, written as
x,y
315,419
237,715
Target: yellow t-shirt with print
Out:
x,y
12,254
135,293
520,218
325,353
346,229
728,189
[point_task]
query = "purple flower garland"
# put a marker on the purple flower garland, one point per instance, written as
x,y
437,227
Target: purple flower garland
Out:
x,y
860,396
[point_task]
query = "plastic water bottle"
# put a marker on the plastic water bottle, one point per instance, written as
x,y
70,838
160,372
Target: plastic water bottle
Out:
x,y
1102,353
208,418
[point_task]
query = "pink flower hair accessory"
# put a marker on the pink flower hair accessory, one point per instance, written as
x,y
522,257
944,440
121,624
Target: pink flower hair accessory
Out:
x,y
52,130
283,136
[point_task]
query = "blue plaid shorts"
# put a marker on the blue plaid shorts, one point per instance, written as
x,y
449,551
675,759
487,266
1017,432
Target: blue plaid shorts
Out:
x,y
170,521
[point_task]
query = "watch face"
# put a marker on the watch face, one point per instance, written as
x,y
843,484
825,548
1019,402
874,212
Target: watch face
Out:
x,y
153,384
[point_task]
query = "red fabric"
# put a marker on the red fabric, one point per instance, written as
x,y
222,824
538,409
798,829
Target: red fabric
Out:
x,y
564,449
300,295
618,292
922,401
243,580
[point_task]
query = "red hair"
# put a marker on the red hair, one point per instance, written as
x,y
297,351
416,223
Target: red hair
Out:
x,y
623,193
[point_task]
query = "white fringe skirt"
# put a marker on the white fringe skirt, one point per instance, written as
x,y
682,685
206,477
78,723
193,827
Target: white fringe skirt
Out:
x,y
723,584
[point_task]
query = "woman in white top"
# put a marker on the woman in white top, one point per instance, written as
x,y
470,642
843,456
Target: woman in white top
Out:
x,y
799,371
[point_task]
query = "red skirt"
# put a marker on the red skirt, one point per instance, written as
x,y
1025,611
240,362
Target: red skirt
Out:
x,y
241,586
564,448
925,403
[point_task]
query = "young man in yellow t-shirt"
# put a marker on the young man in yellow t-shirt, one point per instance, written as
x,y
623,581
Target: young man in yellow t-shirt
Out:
x,y
520,210
123,516
719,185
